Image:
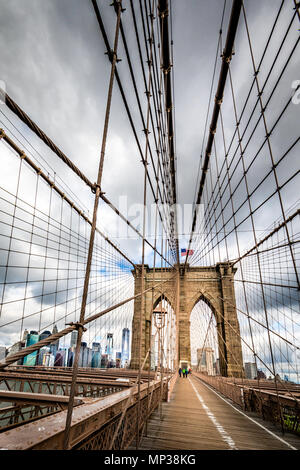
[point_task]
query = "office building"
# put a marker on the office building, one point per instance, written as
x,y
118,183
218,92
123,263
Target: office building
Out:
x,y
125,345
25,334
83,355
42,352
74,336
250,370
59,359
118,359
31,359
65,352
104,361
153,355
54,346
110,344
89,357
13,350
71,356
2,353
205,360
42,336
96,359
46,359
96,347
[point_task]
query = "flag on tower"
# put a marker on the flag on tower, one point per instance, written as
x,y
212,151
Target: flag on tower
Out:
x,y
184,251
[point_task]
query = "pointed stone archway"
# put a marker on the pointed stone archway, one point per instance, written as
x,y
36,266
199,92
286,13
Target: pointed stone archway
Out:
x,y
214,285
151,300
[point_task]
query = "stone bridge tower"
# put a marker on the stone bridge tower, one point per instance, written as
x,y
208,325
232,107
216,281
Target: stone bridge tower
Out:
x,y
183,289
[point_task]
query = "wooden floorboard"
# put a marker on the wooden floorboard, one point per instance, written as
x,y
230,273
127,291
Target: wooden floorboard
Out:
x,y
197,419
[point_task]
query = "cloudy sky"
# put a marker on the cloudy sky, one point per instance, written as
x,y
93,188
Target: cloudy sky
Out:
x,y
53,65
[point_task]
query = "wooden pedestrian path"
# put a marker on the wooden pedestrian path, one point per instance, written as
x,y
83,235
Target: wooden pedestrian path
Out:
x,y
197,418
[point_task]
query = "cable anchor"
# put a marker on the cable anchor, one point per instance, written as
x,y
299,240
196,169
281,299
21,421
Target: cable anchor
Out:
x,y
77,325
95,187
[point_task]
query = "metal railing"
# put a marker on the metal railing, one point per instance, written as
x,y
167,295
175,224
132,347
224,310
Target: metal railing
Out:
x,y
261,398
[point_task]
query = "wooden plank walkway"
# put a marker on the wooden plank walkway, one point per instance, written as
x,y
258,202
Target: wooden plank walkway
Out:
x,y
198,419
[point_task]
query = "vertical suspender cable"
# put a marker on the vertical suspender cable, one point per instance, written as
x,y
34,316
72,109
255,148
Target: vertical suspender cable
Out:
x,y
113,58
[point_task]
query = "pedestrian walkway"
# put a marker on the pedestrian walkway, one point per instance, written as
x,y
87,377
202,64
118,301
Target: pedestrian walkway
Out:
x,y
198,418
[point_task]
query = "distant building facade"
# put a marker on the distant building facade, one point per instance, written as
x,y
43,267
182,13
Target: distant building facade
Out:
x,y
250,370
109,344
2,353
205,360
125,344
31,359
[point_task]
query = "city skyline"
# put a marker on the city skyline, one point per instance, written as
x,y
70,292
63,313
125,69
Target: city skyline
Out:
x,y
94,355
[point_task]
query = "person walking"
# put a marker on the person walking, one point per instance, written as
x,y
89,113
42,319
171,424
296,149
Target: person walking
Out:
x,y
183,372
180,371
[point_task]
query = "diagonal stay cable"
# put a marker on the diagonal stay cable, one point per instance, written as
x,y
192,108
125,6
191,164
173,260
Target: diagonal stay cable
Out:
x,y
41,134
73,326
226,59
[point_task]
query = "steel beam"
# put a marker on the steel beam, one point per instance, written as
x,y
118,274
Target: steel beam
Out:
x,y
48,432
34,398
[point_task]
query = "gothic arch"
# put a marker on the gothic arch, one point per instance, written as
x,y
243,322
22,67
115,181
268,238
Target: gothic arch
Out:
x,y
215,307
214,285
163,296
208,299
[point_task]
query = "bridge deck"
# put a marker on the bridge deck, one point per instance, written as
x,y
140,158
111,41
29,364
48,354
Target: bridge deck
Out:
x,y
197,418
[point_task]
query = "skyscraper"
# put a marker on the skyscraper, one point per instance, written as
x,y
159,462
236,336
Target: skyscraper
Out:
x,y
205,360
42,352
74,336
59,359
31,359
89,357
64,352
14,349
110,344
250,370
125,345
47,357
42,336
54,346
96,347
71,356
82,354
95,355
104,361
25,334
118,359
2,353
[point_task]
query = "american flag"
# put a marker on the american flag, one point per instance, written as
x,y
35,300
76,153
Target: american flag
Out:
x,y
184,251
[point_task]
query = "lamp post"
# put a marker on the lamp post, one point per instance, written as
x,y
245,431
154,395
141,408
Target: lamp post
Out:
x,y
159,322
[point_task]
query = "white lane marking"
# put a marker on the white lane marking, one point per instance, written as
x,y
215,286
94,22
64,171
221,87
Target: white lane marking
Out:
x,y
251,419
220,428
